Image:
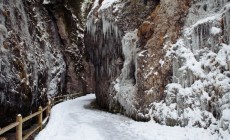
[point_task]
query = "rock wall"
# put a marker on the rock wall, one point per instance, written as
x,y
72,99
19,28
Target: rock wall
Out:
x,y
41,54
161,28
200,70
163,61
135,75
106,26
70,18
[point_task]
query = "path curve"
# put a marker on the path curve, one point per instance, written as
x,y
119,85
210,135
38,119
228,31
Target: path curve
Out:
x,y
75,120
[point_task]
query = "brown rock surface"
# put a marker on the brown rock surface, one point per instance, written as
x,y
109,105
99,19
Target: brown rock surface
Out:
x,y
160,29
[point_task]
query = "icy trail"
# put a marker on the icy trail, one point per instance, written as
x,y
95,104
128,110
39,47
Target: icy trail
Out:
x,y
75,120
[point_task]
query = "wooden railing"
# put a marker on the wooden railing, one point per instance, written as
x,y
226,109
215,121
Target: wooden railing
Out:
x,y
19,120
62,98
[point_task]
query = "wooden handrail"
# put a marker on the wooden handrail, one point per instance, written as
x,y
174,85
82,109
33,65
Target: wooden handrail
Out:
x,y
30,117
9,127
20,120
31,132
45,108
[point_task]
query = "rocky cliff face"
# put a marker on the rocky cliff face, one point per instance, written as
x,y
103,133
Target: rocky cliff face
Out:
x,y
200,70
134,70
41,54
113,52
164,61
70,18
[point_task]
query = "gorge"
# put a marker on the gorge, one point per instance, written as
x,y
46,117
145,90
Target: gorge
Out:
x,y
167,61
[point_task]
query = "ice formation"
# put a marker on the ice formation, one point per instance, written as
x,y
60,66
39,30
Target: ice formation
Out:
x,y
125,84
114,56
199,94
104,16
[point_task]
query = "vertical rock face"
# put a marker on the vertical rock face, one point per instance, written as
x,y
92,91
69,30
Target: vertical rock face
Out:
x,y
69,20
103,44
114,56
32,64
41,55
164,60
169,62
156,33
135,73
104,48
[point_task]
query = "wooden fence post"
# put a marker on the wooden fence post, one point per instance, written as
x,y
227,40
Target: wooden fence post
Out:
x,y
40,117
52,102
50,106
48,109
19,127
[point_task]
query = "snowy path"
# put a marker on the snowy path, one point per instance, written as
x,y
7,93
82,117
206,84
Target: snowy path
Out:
x,y
72,120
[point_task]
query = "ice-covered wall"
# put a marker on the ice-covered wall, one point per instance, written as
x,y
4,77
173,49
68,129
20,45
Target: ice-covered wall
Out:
x,y
156,33
104,19
184,43
199,94
32,64
114,58
42,54
111,41
103,44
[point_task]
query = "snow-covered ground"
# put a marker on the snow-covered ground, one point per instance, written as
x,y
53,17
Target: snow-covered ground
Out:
x,y
75,120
